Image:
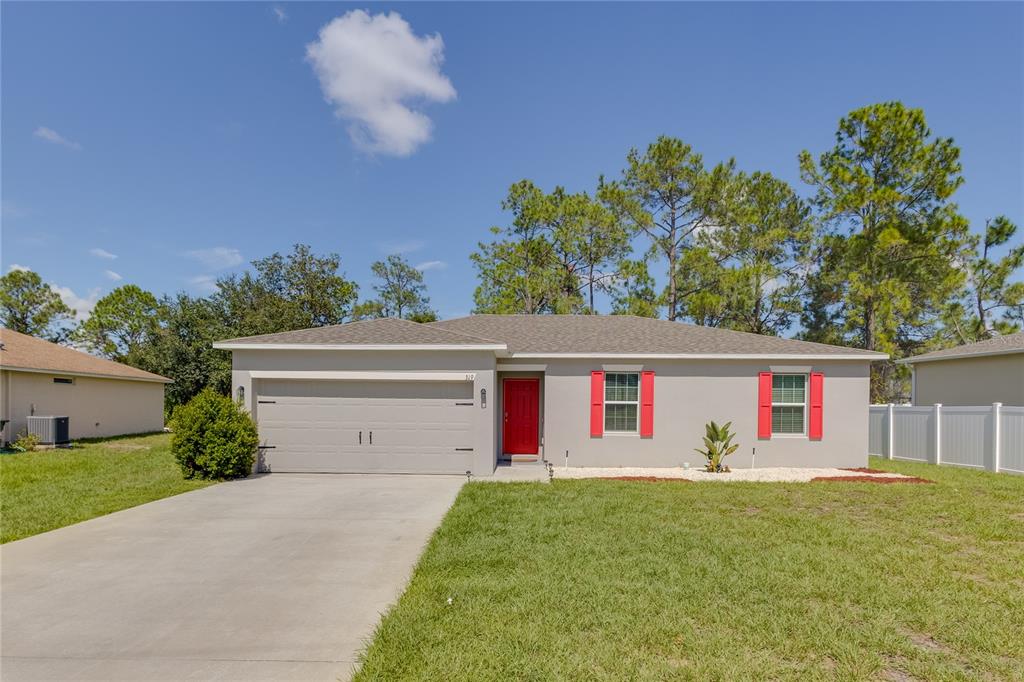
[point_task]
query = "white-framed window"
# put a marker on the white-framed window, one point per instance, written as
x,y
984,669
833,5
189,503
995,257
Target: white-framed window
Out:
x,y
789,404
621,402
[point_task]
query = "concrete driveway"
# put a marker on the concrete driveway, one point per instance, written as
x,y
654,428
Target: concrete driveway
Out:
x,y
273,577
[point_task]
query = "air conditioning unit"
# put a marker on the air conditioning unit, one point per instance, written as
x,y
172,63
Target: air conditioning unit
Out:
x,y
50,429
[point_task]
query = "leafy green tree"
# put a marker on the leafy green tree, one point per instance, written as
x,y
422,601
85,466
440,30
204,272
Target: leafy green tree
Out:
x,y
884,191
283,293
748,272
368,310
633,292
400,292
121,324
181,348
561,249
993,303
667,194
519,272
30,306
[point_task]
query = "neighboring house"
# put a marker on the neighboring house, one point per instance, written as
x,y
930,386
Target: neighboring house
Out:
x,y
100,397
587,390
981,373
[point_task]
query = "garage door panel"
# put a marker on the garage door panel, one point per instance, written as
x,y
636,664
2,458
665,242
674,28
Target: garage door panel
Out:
x,y
315,426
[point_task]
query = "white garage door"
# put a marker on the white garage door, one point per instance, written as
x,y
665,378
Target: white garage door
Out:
x,y
365,426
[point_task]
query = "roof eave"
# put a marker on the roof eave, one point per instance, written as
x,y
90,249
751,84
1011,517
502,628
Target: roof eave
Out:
x,y
863,357
959,356
227,345
155,379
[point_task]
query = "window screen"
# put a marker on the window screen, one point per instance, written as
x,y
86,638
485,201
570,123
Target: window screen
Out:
x,y
789,403
621,401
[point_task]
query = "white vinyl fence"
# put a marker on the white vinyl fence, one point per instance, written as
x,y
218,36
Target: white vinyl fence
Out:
x,y
987,437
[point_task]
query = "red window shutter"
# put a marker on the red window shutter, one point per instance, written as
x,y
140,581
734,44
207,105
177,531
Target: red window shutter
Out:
x,y
817,389
596,404
646,404
764,405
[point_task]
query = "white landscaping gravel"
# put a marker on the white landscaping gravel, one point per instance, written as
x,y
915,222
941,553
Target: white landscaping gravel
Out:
x,y
770,474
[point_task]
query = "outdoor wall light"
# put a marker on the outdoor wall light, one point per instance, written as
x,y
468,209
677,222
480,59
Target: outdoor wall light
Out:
x,y
483,398
241,394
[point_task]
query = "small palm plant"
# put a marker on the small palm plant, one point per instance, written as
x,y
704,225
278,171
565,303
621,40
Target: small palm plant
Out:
x,y
718,444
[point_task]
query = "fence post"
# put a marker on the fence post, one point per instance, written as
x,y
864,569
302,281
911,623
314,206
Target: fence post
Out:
x,y
938,433
995,436
890,428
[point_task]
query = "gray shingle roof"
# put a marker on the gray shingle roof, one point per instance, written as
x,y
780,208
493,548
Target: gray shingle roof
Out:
x,y
625,334
556,334
387,331
1000,345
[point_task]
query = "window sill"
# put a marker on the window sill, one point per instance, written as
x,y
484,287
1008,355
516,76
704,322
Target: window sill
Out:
x,y
627,434
790,435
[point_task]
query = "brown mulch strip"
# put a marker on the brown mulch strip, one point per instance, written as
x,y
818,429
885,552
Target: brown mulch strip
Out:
x,y
870,479
867,470
647,479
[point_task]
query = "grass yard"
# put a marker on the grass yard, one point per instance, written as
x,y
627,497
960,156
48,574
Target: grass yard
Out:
x,y
708,581
43,490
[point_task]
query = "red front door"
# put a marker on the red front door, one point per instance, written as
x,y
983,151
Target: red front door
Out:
x,y
521,402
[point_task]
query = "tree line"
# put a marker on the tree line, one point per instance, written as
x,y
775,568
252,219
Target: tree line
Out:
x,y
173,335
876,256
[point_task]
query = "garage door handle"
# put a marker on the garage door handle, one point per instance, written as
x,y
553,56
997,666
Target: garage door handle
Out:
x,y
371,437
360,437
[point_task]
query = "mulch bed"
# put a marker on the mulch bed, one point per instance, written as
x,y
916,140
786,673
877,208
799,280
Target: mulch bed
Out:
x,y
870,479
647,479
867,470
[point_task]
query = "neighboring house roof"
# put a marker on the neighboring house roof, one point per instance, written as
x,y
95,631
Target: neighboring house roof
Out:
x,y
1000,345
23,353
546,335
388,332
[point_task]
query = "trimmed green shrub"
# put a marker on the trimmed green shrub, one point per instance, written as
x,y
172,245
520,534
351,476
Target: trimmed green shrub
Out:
x,y
214,438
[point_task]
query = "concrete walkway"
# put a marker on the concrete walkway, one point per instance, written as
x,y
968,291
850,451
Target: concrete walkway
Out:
x,y
277,577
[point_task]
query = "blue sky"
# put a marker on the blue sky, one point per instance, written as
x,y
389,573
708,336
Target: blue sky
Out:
x,y
187,138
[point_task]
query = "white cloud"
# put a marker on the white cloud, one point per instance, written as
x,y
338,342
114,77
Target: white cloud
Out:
x,y
217,257
20,268
398,248
205,283
113,275
102,253
82,306
374,70
281,15
53,136
432,265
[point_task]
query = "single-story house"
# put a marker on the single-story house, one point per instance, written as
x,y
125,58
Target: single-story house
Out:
x,y
982,373
462,395
99,397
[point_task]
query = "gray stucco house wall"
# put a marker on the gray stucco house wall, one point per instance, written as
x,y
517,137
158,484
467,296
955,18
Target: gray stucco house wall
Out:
x,y
690,393
982,373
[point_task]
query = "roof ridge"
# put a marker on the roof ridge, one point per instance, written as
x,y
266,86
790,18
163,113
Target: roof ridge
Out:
x,y
438,324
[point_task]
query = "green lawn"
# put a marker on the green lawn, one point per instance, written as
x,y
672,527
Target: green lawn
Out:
x,y
40,491
708,581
